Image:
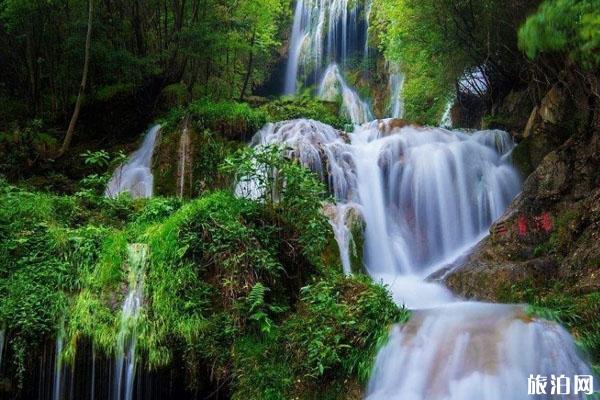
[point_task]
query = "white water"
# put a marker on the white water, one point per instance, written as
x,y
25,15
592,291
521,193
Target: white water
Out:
x,y
135,175
333,85
1,345
323,32
427,195
395,85
58,368
184,161
125,362
340,219
446,120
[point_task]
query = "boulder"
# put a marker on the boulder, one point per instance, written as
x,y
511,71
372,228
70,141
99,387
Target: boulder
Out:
x,y
551,231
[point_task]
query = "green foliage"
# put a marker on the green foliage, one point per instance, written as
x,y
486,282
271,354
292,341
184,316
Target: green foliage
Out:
x,y
305,107
436,41
234,120
340,326
222,287
568,26
291,191
217,49
333,336
429,59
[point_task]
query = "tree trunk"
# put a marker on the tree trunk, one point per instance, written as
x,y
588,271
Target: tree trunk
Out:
x,y
249,69
86,64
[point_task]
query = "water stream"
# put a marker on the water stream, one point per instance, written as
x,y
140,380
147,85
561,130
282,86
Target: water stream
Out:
x,y
334,84
184,162
125,362
427,196
135,175
1,346
57,383
395,85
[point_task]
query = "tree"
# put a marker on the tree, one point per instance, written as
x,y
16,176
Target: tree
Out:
x,y
84,77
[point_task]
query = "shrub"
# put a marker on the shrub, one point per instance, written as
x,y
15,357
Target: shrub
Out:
x,y
233,120
567,26
305,107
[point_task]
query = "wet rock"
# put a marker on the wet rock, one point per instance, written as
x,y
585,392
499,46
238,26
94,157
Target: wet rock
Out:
x,y
551,231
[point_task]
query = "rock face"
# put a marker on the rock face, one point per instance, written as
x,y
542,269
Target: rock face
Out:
x,y
551,231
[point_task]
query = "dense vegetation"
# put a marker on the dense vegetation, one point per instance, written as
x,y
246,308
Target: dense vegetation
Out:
x,y
229,283
246,294
475,47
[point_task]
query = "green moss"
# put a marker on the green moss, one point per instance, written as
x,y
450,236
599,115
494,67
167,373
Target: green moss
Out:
x,y
105,93
521,158
233,120
229,283
564,235
305,107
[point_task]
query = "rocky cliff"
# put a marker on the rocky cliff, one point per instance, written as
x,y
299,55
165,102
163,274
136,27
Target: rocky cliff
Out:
x,y
550,235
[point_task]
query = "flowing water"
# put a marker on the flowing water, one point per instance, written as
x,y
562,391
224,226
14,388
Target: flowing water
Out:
x,y
333,84
427,196
395,86
324,32
135,175
446,120
57,389
184,162
325,35
1,346
125,363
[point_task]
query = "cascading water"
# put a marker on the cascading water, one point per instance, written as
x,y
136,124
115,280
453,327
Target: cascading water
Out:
x,y
125,363
395,85
446,120
333,84
184,164
58,368
427,196
327,33
135,175
1,345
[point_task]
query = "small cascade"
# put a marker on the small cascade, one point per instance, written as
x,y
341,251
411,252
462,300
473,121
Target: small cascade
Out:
x,y
324,32
93,375
184,164
426,197
446,120
125,363
466,350
395,85
2,339
57,382
135,175
368,6
342,217
334,85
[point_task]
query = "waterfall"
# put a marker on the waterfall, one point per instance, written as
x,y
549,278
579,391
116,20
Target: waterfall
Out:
x,y
446,120
395,85
1,346
466,350
341,223
184,161
333,85
427,196
135,175
125,363
58,368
